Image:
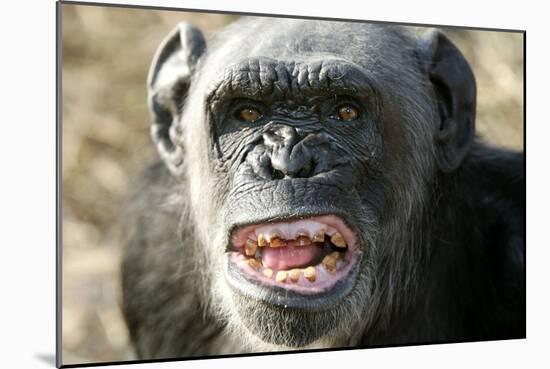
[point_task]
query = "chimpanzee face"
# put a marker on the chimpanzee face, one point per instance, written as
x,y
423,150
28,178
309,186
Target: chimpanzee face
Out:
x,y
316,144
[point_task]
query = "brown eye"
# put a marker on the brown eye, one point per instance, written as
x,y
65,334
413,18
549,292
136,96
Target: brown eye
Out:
x,y
249,115
347,113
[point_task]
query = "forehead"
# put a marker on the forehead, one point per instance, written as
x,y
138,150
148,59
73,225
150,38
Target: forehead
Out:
x,y
272,37
307,41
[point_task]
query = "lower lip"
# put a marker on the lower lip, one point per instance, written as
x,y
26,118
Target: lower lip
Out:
x,y
323,283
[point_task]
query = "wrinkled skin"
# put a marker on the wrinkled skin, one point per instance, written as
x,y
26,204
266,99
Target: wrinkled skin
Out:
x,y
438,215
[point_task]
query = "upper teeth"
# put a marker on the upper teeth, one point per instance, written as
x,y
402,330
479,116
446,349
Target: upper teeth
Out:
x,y
277,242
292,230
261,240
337,240
250,247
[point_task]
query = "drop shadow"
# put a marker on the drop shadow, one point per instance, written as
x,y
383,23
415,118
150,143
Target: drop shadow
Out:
x,y
46,358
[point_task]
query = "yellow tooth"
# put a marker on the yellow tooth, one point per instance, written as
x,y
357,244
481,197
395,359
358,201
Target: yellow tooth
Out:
x,y
268,273
309,273
338,241
274,234
329,262
277,242
336,255
303,240
250,247
253,263
281,276
261,240
294,275
319,237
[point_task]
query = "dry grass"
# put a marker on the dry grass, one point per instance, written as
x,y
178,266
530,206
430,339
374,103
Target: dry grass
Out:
x,y
105,127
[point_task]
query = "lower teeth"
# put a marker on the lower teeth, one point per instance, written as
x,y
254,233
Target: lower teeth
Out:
x,y
254,264
329,261
268,273
309,273
281,276
294,275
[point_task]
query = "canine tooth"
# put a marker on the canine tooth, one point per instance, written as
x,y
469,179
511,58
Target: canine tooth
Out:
x,y
335,255
268,273
329,262
294,275
250,247
319,236
303,241
281,276
309,273
253,263
277,242
337,240
261,240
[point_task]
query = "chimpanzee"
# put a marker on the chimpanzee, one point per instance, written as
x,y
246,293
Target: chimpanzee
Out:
x,y
319,185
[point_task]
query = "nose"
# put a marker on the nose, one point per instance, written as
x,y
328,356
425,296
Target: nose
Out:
x,y
289,154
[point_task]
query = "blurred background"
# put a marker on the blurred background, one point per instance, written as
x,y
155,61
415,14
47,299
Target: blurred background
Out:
x,y
106,53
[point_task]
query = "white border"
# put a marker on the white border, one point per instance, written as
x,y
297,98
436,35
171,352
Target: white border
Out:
x,y
27,187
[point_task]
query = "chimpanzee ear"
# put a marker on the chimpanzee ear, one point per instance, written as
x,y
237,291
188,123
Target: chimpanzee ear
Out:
x,y
455,89
168,84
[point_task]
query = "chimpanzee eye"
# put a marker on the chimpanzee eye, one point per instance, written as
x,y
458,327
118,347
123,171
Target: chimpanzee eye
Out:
x,y
347,113
249,115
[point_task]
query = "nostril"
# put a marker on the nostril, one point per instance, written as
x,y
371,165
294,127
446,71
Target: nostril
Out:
x,y
274,173
302,174
277,174
307,169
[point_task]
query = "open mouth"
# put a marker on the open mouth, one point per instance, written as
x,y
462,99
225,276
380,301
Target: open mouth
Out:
x,y
307,256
